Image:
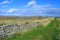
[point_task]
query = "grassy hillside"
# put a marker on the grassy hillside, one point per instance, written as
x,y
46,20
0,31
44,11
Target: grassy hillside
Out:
x,y
40,33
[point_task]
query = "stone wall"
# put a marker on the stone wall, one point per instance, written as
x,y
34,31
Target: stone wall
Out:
x,y
10,29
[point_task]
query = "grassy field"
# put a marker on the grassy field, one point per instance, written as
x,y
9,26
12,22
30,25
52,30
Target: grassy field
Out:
x,y
21,20
40,33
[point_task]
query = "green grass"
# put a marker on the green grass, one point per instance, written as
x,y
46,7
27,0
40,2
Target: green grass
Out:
x,y
40,33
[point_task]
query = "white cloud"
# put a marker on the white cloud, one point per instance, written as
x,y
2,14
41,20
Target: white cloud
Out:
x,y
12,10
38,8
31,3
4,2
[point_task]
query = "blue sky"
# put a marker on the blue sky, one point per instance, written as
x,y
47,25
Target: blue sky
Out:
x,y
30,7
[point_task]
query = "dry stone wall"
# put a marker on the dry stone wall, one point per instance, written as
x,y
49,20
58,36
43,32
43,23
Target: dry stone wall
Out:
x,y
10,29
